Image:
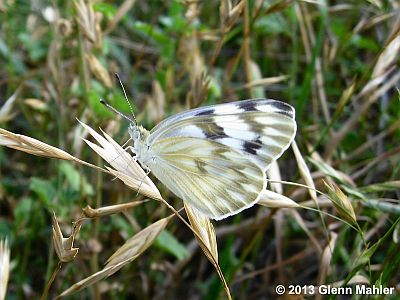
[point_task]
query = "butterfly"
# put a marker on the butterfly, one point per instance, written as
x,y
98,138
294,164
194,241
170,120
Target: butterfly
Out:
x,y
215,157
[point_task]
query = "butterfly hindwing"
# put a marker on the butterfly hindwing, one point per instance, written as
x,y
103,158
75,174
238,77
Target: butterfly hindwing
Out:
x,y
214,178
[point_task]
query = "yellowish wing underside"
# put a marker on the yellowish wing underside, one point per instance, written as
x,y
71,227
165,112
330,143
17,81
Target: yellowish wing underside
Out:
x,y
212,177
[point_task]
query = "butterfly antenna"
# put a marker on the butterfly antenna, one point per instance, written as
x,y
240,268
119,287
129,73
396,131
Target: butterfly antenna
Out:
x,y
116,111
126,97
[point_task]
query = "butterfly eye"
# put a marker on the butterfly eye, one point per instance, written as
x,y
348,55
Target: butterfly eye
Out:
x,y
133,132
148,147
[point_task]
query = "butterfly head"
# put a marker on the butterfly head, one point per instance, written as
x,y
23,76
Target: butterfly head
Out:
x,y
137,132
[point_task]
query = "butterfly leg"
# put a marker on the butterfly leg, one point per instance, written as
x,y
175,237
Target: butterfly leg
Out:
x,y
141,182
131,148
126,149
124,144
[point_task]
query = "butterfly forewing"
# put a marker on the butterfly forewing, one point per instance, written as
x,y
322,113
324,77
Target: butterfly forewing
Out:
x,y
261,129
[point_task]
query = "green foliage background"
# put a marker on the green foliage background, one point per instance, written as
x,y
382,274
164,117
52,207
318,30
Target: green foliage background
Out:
x,y
328,60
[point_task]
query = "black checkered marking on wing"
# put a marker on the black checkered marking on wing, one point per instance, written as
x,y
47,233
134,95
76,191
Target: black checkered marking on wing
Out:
x,y
213,131
248,105
284,108
207,112
252,147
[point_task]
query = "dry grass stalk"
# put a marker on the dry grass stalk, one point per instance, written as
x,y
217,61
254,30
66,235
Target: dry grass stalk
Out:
x,y
234,14
4,267
156,103
63,27
98,70
5,109
396,234
132,249
275,200
251,70
301,15
205,230
31,146
224,10
89,280
274,178
88,22
192,11
229,15
341,203
357,279
256,91
304,171
121,12
327,169
344,99
326,260
323,202
195,66
263,82
90,212
387,58
136,184
377,160
277,6
303,226
35,147
370,142
279,236
205,234
64,246
36,104
125,167
137,244
298,257
384,77
320,87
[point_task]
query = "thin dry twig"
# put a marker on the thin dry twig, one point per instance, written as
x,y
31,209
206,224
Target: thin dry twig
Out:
x,y
205,234
4,267
128,252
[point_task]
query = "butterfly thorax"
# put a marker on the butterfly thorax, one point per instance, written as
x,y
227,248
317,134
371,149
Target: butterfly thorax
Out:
x,y
141,146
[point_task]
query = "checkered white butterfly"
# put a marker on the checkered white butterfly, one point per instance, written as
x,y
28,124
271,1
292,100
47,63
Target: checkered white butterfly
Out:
x,y
215,157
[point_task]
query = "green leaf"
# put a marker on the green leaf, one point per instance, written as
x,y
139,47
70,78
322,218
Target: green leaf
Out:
x,y
98,108
382,205
72,175
327,170
74,178
22,210
106,9
391,264
214,88
364,43
272,24
381,187
43,189
165,42
167,242
366,255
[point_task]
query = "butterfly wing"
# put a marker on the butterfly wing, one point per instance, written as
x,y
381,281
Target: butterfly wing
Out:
x,y
215,157
261,129
214,178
